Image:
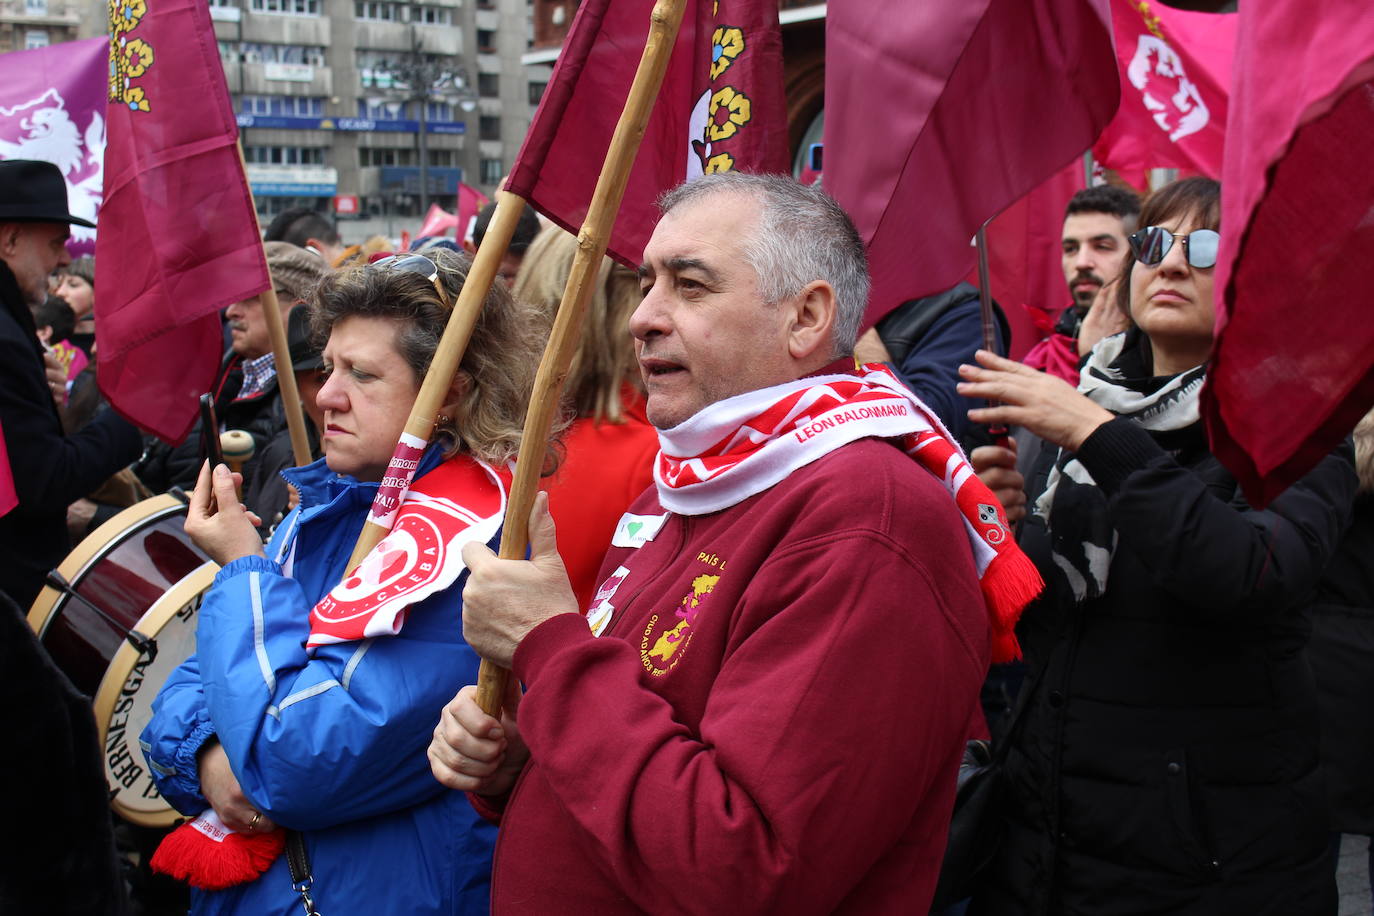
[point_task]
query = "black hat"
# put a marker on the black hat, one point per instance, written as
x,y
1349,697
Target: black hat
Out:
x,y
304,354
34,191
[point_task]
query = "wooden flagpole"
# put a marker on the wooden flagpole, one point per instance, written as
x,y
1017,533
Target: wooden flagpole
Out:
x,y
281,350
420,425
665,22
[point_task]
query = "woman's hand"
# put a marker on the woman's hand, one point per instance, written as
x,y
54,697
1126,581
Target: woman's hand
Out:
x,y
221,789
471,751
217,522
1038,401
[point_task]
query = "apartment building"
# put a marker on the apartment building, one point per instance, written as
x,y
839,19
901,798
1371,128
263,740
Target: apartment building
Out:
x,y
26,24
373,108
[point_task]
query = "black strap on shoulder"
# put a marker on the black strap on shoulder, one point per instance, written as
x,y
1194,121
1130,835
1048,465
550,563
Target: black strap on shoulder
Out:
x,y
298,861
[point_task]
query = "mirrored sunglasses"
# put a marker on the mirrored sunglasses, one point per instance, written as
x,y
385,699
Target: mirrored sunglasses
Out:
x,y
1151,244
415,264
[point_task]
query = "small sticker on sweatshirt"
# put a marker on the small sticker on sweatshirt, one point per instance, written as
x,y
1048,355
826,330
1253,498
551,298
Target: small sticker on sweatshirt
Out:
x,y
637,530
599,614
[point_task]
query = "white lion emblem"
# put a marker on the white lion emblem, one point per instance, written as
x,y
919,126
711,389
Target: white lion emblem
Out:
x,y
46,131
1184,102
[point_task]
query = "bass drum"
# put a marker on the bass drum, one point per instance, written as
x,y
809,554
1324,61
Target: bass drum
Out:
x,y
117,617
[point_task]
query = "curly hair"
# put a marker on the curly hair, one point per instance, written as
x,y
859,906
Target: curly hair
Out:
x,y
605,358
499,363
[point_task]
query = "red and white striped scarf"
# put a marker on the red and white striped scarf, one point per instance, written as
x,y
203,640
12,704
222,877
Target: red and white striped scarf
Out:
x,y
461,500
743,445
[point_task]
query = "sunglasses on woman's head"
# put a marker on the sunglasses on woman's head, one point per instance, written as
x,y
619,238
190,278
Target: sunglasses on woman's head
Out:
x,y
1151,244
415,264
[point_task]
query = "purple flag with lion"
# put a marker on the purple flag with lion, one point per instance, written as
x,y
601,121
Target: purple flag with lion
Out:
x,y
52,107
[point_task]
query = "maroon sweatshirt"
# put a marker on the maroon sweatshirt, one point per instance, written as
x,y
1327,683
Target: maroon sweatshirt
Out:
x,y
773,719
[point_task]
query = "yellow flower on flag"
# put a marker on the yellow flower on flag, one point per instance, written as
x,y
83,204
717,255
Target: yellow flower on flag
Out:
x,y
138,56
135,100
721,162
727,43
729,111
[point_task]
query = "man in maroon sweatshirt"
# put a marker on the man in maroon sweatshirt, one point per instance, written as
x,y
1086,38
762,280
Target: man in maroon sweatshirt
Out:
x,y
764,707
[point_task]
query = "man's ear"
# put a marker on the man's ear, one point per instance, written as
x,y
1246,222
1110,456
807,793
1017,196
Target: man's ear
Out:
x,y
9,237
813,321
469,247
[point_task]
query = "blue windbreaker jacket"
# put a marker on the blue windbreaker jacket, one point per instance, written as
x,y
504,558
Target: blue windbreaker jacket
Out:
x,y
333,744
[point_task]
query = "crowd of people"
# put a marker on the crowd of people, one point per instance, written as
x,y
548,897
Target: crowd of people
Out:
x,y
779,575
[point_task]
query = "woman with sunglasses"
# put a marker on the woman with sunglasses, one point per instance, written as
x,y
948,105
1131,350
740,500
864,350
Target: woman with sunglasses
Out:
x,y
310,700
1166,756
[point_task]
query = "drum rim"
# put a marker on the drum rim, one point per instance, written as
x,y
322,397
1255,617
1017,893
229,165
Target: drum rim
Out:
x,y
76,564
122,664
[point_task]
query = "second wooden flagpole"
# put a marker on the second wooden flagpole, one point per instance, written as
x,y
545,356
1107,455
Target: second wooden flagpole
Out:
x,y
281,350
447,357
664,24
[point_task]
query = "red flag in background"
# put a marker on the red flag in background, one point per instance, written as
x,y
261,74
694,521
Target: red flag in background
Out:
x,y
945,113
470,203
178,239
721,107
1293,364
438,221
1024,244
8,497
1175,75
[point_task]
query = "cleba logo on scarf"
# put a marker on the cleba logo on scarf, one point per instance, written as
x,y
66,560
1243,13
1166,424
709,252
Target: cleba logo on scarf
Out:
x,y
405,561
662,647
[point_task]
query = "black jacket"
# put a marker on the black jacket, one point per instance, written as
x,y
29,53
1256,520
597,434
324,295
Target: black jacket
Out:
x,y
1168,759
50,470
1342,656
62,859
261,415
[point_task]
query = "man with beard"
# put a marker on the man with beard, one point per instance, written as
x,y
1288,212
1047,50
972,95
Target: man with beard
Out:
x,y
1096,224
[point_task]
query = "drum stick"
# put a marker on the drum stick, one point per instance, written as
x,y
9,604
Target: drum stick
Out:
x,y
238,448
563,339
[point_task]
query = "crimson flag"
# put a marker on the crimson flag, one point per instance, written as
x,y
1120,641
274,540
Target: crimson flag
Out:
x,y
721,107
1026,275
1292,369
438,221
1175,76
945,113
8,497
178,239
470,203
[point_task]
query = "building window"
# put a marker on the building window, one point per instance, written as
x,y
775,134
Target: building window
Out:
x,y
486,41
537,92
439,111
224,3
36,8
284,155
255,52
383,110
282,106
443,158
488,85
492,171
489,128
378,10
35,38
288,7
431,15
383,155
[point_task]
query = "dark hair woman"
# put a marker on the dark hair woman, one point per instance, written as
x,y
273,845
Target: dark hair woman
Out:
x,y
310,700
1167,760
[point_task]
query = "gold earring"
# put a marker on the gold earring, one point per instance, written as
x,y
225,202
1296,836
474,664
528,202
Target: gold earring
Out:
x,y
442,419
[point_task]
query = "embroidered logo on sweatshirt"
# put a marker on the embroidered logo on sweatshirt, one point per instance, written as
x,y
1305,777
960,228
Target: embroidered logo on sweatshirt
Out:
x,y
661,648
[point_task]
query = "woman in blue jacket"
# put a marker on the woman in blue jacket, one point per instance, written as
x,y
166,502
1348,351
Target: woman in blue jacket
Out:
x,y
311,699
